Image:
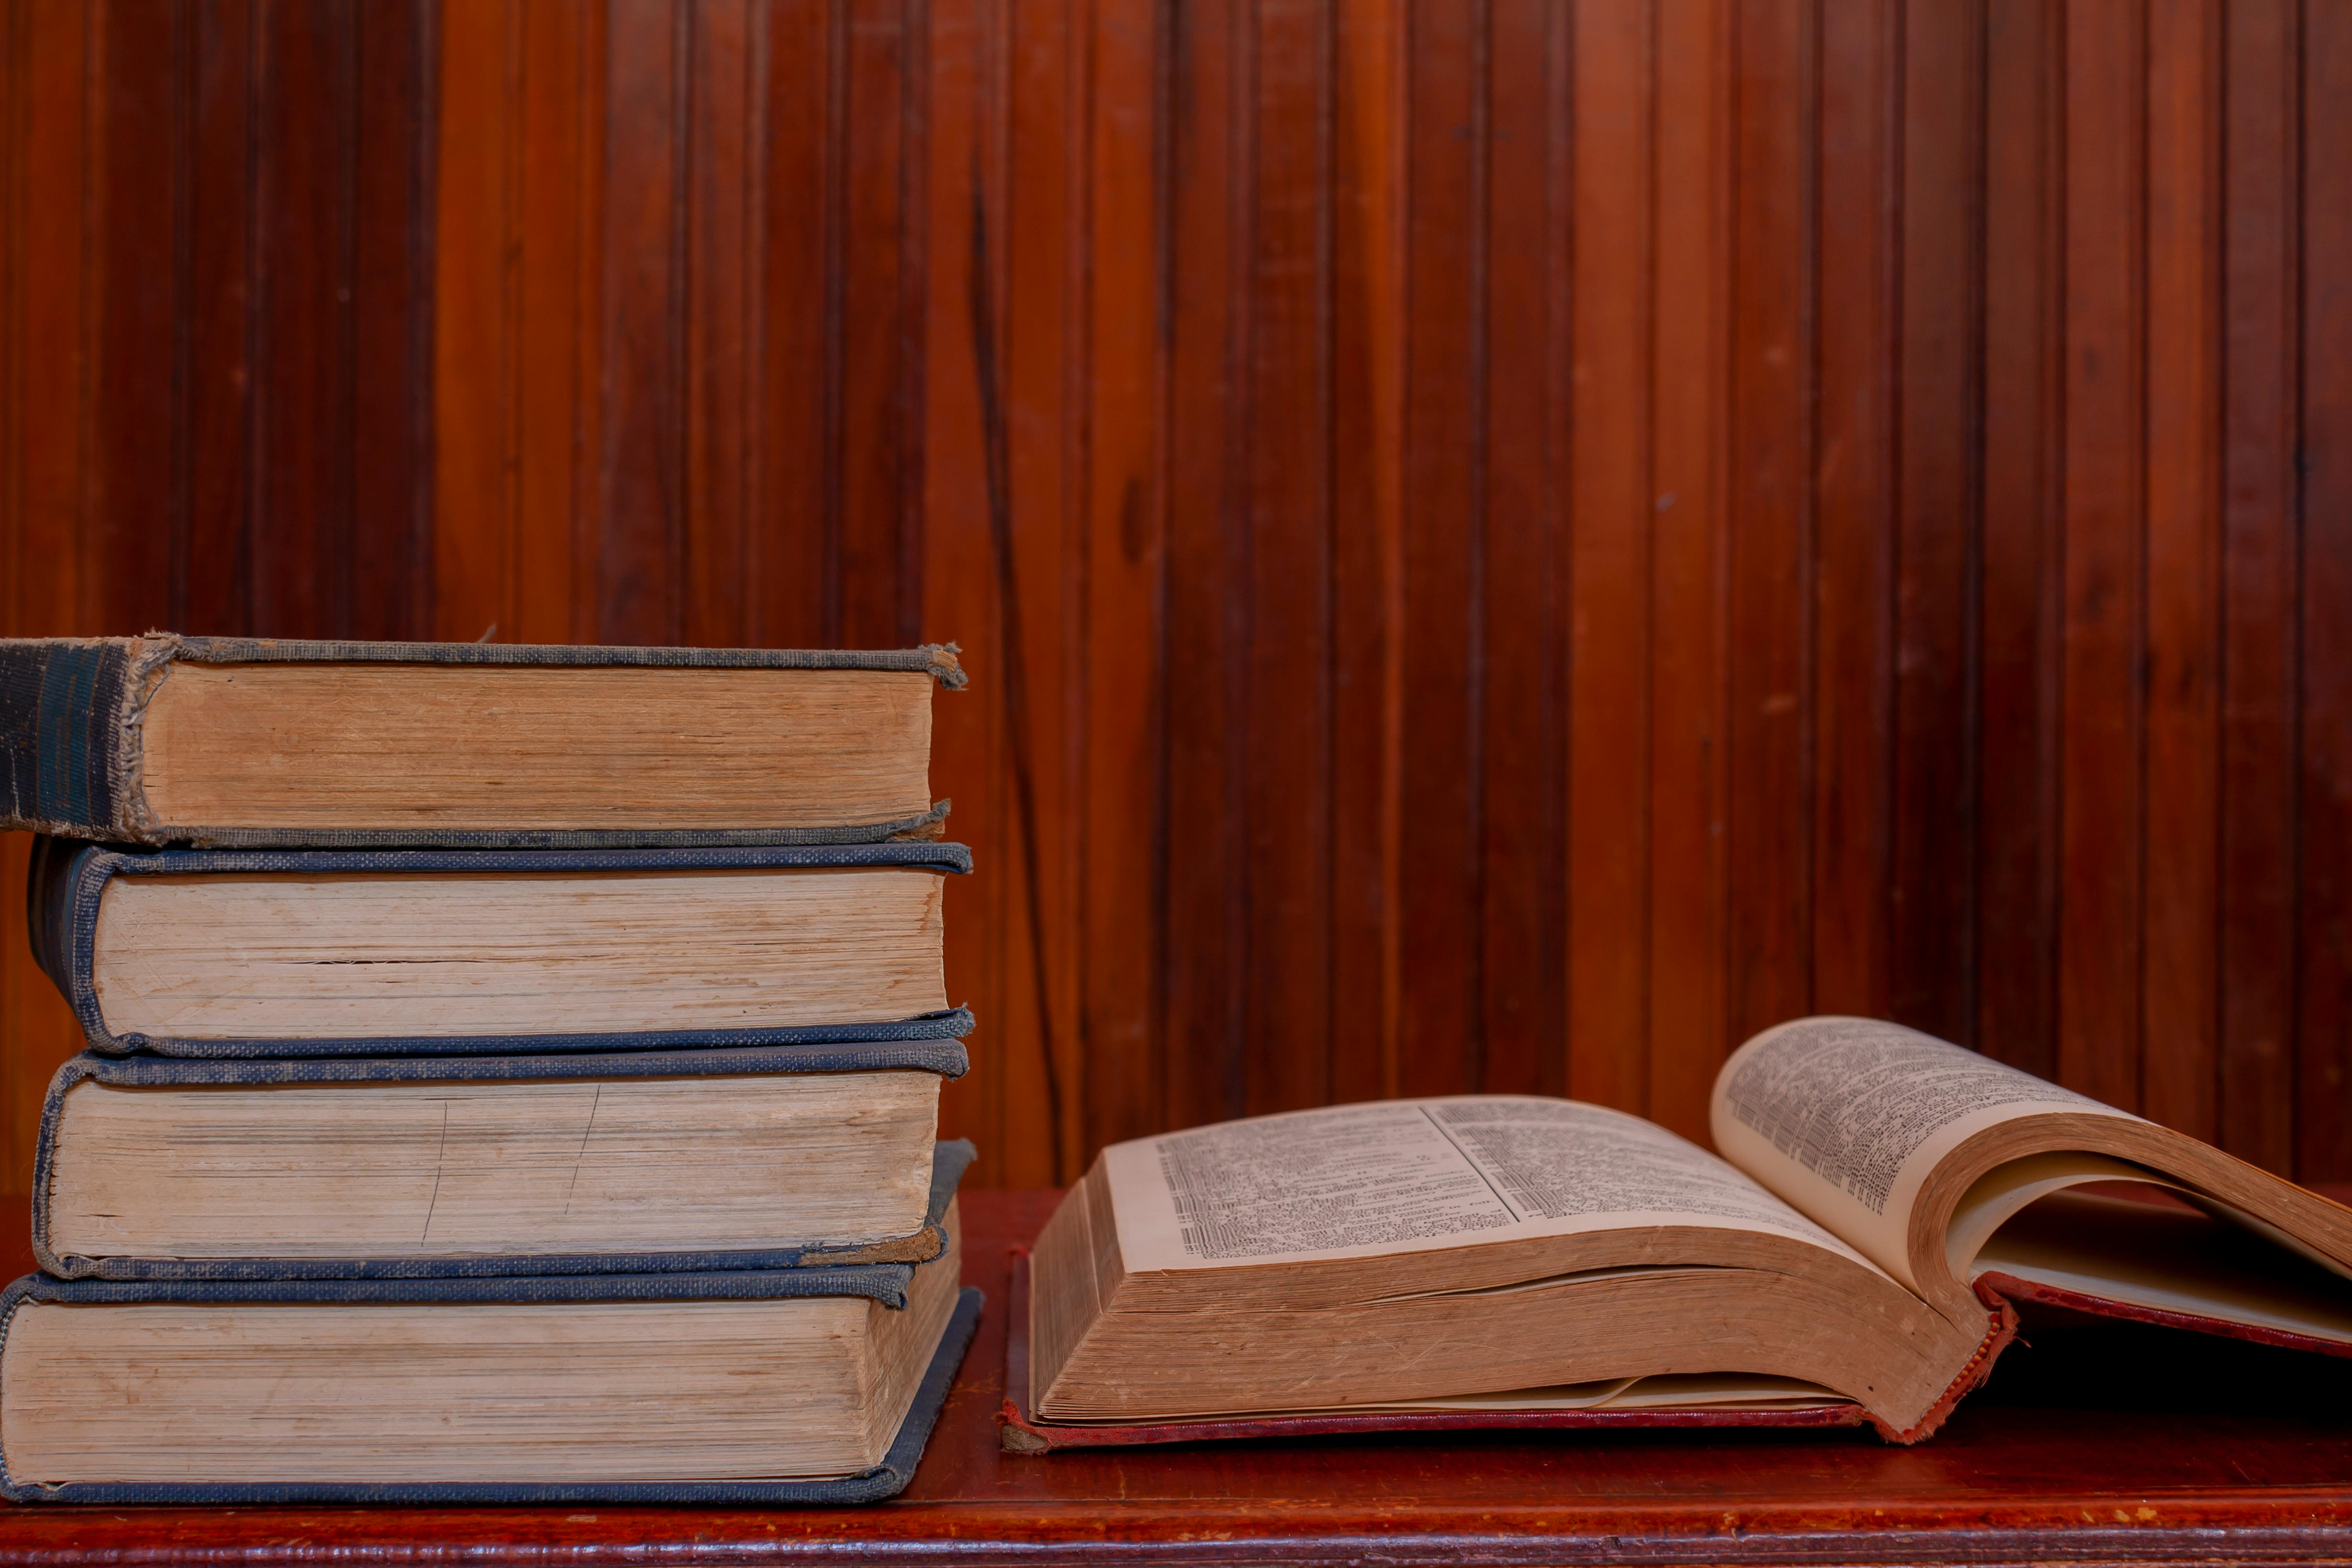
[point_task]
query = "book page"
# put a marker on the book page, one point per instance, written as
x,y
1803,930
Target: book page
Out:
x,y
2116,1246
1359,1181
1845,1117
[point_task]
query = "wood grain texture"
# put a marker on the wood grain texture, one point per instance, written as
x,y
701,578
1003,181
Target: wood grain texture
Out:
x,y
2103,643
1775,595
1122,657
2015,615
1858,351
1531,1044
1369,358
1935,832
1608,653
1688,876
1503,545
2260,553
2323,1102
1441,1041
2179,998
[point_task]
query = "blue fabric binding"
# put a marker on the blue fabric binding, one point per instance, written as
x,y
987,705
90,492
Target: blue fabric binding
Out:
x,y
68,880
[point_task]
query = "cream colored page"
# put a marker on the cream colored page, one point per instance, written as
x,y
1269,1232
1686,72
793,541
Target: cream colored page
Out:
x,y
1391,1176
1845,1117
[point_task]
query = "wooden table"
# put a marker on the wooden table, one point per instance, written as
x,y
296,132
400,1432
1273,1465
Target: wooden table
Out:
x,y
2074,1453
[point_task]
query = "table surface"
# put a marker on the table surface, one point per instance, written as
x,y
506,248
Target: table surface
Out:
x,y
2091,1443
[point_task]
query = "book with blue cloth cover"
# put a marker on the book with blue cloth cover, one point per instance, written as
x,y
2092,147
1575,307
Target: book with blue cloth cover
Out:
x,y
225,954
246,741
742,1386
763,1157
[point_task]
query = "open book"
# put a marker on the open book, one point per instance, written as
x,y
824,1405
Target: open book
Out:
x,y
1881,1200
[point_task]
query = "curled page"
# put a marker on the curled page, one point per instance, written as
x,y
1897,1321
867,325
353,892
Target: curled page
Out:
x,y
1845,1117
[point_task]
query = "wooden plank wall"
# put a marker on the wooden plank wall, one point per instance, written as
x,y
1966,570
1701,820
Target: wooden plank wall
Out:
x,y
1503,543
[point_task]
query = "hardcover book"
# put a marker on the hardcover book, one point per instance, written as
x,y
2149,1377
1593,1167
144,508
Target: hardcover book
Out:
x,y
1882,1202
224,954
763,1157
236,741
746,1387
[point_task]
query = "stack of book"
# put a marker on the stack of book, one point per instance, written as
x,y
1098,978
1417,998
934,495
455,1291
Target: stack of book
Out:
x,y
513,1073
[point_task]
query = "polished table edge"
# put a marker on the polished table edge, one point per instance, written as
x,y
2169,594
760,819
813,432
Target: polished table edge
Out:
x,y
2317,1527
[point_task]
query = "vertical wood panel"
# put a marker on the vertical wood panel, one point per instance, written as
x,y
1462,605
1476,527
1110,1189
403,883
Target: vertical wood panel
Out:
x,y
1934,838
2102,752
54,316
789,544
1852,596
1770,727
391,321
1690,561
1123,654
1208,416
880,334
1500,544
1611,509
1524,985
722,270
1368,358
136,215
554,266
644,147
15,260
1440,1047
2260,322
1285,580
1039,583
480,131
306,88
225,288
2017,615
2181,667
2323,1127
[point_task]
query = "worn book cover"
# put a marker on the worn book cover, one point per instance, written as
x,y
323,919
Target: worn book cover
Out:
x,y
242,741
488,1156
317,932
200,1440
